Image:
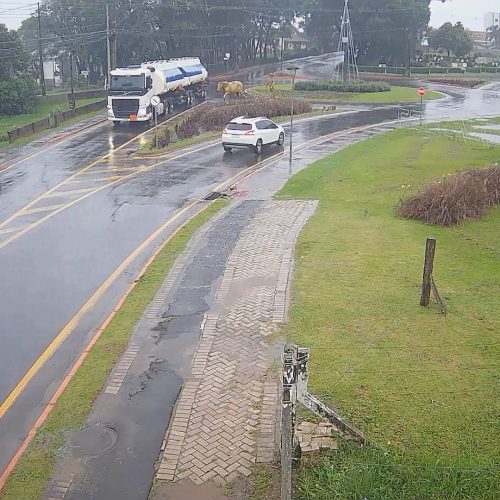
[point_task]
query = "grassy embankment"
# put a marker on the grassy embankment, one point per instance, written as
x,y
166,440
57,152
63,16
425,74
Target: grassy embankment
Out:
x,y
422,386
42,111
35,467
395,95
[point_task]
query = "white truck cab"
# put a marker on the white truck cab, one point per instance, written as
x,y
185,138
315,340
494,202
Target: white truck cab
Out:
x,y
174,80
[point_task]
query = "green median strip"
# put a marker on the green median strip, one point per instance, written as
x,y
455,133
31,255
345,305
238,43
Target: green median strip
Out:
x,y
394,96
36,465
422,387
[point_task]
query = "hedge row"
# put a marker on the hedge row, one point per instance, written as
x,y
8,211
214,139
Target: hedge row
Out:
x,y
353,87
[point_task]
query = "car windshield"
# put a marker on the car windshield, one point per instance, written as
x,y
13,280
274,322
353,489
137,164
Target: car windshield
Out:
x,y
127,83
239,126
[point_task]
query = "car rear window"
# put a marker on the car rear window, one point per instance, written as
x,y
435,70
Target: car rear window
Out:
x,y
239,126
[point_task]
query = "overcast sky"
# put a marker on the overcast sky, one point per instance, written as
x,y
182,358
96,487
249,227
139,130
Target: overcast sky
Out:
x,y
470,12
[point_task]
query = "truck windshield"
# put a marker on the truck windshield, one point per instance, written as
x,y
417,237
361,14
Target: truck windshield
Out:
x,y
128,83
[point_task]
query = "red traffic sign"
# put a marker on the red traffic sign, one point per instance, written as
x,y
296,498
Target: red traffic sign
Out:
x,y
421,91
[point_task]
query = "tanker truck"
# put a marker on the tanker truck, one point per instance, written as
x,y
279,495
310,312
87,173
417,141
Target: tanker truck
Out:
x,y
172,81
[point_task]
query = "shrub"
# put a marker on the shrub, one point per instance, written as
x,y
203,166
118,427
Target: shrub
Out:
x,y
459,83
455,198
17,96
352,87
215,117
164,139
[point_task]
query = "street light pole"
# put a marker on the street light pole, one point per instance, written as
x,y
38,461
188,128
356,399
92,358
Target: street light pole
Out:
x,y
293,72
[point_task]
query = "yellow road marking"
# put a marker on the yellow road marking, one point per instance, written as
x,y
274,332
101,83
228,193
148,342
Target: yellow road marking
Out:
x,y
45,208
84,169
95,179
85,196
13,229
57,341
73,192
109,170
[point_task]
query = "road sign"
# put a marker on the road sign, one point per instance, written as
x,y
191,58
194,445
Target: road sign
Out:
x,y
421,91
155,100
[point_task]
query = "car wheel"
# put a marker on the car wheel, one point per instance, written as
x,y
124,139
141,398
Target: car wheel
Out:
x,y
281,139
227,149
116,123
258,147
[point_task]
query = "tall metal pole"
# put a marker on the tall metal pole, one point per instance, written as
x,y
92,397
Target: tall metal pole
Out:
x,y
40,53
293,73
409,56
282,42
108,46
72,98
115,43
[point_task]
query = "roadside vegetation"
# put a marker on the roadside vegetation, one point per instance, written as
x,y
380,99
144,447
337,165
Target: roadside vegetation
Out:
x,y
421,386
42,110
35,467
470,83
209,120
455,198
394,95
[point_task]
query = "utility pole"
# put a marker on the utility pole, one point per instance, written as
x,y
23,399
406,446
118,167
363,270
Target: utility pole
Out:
x,y
108,46
408,63
40,53
115,43
72,104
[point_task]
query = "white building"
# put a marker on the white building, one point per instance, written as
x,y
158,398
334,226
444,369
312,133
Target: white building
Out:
x,y
491,19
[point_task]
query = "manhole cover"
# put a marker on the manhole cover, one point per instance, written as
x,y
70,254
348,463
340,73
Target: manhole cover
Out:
x,y
93,441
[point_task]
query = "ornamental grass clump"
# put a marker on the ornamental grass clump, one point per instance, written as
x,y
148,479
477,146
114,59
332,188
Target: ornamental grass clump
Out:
x,y
455,198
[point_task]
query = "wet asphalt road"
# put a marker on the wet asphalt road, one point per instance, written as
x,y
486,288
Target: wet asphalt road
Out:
x,y
51,267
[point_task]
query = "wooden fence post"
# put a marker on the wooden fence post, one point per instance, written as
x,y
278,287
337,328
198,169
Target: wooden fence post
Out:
x,y
430,250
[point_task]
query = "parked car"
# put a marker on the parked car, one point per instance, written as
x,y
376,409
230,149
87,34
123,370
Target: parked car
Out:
x,y
254,133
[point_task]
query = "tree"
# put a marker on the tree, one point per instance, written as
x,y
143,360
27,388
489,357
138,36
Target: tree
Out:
x,y
452,38
382,29
147,30
13,57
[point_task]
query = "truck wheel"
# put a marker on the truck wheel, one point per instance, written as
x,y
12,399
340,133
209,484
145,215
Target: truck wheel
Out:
x,y
227,149
258,147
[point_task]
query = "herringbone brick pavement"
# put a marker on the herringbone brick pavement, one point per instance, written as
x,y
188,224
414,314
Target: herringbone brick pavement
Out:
x,y
225,418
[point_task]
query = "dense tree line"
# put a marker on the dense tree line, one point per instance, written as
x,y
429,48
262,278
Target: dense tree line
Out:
x,y
247,29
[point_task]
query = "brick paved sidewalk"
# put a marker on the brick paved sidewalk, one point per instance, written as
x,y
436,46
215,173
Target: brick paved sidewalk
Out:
x,y
225,419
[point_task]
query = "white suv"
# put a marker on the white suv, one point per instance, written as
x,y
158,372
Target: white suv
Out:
x,y
253,133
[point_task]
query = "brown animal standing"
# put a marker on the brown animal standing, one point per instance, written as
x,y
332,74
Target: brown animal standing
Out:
x,y
228,88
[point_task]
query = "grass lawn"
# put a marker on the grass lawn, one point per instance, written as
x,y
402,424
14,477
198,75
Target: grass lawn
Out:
x,y
423,387
395,95
35,467
42,111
